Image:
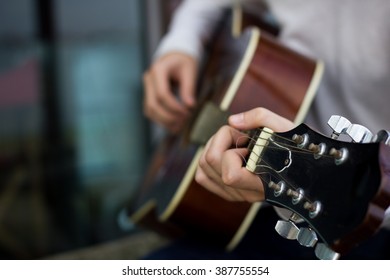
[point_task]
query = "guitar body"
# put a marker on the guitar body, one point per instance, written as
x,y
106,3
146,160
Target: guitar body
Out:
x,y
242,73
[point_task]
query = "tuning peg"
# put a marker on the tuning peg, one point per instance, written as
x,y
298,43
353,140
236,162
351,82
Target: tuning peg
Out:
x,y
323,252
307,237
339,125
287,229
382,136
359,133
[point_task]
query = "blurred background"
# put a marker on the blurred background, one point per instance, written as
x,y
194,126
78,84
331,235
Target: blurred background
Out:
x,y
73,141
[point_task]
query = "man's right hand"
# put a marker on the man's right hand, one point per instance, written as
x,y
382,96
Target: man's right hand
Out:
x,y
160,102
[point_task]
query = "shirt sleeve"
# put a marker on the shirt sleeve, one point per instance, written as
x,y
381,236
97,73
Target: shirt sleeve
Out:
x,y
192,26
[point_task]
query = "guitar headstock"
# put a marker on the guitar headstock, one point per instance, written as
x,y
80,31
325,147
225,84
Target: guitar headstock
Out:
x,y
340,189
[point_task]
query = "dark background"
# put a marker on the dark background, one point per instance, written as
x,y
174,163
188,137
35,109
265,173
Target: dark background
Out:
x,y
73,141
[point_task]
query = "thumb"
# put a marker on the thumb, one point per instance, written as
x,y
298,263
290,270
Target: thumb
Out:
x,y
260,117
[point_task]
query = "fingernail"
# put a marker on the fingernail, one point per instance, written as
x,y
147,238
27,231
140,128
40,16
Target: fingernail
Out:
x,y
236,119
190,101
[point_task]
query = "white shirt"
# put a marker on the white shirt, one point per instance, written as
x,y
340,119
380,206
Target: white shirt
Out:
x,y
352,38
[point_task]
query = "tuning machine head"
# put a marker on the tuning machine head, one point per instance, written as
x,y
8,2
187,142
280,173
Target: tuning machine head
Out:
x,y
323,252
287,229
382,136
307,237
341,125
359,133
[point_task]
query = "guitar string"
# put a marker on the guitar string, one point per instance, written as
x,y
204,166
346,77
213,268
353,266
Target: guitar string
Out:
x,y
283,179
292,147
265,164
267,177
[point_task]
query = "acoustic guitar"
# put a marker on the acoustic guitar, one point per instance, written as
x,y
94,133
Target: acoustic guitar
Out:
x,y
243,70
